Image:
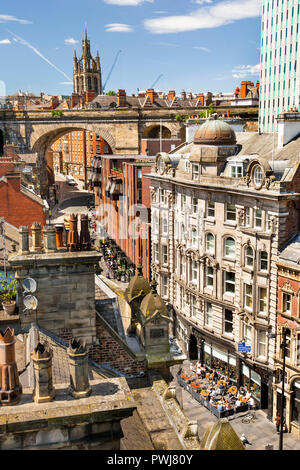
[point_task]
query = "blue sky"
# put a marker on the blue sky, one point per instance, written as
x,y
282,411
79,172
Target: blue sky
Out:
x,y
198,45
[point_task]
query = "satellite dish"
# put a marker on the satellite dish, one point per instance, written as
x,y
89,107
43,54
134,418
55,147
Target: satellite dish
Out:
x,y
29,285
30,302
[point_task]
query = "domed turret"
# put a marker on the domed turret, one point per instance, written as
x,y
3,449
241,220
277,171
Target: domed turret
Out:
x,y
215,132
153,303
138,285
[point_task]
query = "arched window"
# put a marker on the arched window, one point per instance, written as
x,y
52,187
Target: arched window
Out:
x,y
249,257
257,175
210,243
263,261
229,248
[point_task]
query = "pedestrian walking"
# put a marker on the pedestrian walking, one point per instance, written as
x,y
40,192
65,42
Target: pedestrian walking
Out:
x,y
277,422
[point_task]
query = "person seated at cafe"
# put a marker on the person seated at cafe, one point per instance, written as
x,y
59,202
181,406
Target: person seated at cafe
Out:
x,y
198,368
248,394
220,407
213,393
238,402
221,390
228,406
192,368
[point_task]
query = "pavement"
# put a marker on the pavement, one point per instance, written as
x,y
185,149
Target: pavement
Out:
x,y
259,433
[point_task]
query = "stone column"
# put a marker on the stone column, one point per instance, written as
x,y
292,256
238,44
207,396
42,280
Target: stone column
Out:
x,y
24,240
79,370
36,230
49,239
10,387
42,365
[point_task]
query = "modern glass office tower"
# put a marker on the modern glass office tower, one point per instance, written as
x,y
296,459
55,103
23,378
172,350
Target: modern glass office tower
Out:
x,y
280,60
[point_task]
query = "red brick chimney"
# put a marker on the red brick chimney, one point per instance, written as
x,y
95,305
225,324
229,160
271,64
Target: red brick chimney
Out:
x,y
257,86
200,98
171,95
10,387
74,100
121,98
237,92
243,89
151,93
183,95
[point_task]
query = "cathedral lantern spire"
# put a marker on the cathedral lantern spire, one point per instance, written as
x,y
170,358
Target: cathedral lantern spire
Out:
x,y
87,70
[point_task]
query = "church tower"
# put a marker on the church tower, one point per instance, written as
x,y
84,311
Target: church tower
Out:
x,y
87,70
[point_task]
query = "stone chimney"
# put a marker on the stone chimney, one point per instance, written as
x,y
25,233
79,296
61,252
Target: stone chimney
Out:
x,y
79,370
36,231
10,387
73,234
49,234
183,95
171,95
121,98
85,239
190,96
42,366
24,240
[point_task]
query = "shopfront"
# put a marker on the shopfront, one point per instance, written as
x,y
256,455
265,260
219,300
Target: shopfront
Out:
x,y
221,360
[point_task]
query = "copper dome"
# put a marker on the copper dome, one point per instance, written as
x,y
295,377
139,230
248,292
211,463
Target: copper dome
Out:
x,y
215,132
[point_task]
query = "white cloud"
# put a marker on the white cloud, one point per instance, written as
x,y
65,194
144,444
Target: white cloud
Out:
x,y
201,48
243,71
5,41
6,18
201,2
71,41
131,3
118,28
205,17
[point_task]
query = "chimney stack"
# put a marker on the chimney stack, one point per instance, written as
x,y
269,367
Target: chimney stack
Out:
x,y
42,366
183,95
49,239
10,387
36,231
121,98
171,95
79,370
24,240
151,94
59,229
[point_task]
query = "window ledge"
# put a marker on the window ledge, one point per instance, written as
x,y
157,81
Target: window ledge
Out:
x,y
208,328
228,336
232,224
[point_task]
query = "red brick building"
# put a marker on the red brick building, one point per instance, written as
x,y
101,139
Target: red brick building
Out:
x,y
288,320
18,205
122,198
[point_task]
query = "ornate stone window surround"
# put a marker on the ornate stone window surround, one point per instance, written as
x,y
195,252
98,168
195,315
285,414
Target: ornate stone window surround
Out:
x,y
246,255
224,238
288,290
214,242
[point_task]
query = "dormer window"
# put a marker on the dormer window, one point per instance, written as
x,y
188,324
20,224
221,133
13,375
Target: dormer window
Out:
x,y
257,176
236,171
195,172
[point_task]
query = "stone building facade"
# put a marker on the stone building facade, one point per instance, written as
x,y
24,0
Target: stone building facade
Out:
x,y
220,212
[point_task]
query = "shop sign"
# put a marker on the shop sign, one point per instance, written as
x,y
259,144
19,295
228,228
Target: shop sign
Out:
x,y
242,347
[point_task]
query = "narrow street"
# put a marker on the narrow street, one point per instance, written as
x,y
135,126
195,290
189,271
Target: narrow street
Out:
x,y
71,199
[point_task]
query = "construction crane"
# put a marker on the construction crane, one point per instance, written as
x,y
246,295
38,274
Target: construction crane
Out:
x,y
158,78
111,70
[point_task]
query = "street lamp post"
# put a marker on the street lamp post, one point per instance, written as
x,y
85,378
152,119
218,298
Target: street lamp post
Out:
x,y
282,408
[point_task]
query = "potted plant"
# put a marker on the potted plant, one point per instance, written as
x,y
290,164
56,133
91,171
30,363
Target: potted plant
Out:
x,y
8,294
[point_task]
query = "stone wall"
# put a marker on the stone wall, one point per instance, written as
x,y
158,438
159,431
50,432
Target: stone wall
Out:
x,y
65,292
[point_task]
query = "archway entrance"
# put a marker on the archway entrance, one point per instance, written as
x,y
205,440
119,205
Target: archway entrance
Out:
x,y
193,350
71,149
153,132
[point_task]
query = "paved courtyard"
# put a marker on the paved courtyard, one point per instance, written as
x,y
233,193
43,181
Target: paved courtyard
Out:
x,y
259,433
